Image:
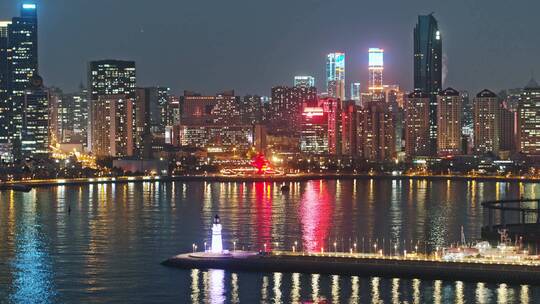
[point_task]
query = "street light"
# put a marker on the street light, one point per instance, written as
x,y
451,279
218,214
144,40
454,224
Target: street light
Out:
x,y
335,248
234,246
264,247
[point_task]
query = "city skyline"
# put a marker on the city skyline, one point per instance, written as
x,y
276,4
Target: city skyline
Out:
x,y
473,55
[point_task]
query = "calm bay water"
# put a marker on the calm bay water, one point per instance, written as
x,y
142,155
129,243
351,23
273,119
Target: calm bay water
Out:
x,y
104,243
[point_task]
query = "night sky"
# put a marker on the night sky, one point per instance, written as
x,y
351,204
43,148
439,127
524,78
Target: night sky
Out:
x,y
252,45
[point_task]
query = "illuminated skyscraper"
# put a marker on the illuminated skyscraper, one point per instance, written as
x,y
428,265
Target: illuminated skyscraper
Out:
x,y
428,66
285,108
5,104
22,52
111,77
417,124
355,92
486,110
529,119
376,67
304,81
349,128
332,107
449,105
35,126
112,132
314,133
377,128
335,75
227,109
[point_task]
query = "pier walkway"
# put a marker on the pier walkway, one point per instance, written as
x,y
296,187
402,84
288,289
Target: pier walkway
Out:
x,y
410,266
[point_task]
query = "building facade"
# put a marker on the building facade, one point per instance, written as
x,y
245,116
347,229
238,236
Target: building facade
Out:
x,y
417,124
116,78
112,134
314,134
376,68
335,75
529,119
285,108
304,81
449,109
35,126
428,66
486,111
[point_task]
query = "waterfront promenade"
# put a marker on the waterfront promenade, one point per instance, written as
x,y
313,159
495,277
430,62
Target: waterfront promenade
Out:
x,y
267,178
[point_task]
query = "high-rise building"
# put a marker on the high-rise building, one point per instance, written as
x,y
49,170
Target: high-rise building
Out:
x,y
467,122
507,128
112,134
111,77
377,130
332,107
376,67
197,109
35,126
335,75
5,104
251,110
58,119
304,81
22,51
349,128
428,66
227,109
355,92
529,119
417,124
161,118
486,111
449,109
285,108
80,114
149,120
314,133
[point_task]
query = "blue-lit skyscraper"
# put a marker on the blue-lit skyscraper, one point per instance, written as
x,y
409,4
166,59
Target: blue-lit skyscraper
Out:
x,y
304,81
428,66
355,92
335,75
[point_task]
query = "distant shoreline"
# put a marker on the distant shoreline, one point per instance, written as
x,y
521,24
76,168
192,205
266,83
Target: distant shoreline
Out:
x,y
268,178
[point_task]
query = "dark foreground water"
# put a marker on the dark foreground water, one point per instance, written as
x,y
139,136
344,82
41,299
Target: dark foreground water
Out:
x,y
104,243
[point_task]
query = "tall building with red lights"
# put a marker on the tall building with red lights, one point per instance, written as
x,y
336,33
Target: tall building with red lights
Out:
x,y
349,128
314,134
332,106
285,108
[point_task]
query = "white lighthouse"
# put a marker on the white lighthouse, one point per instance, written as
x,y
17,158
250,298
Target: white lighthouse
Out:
x,y
217,243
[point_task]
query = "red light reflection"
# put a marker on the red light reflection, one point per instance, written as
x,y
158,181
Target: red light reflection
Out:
x,y
315,216
263,209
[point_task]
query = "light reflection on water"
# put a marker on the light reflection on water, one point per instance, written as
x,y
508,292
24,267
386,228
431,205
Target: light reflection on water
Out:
x,y
108,248
318,288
